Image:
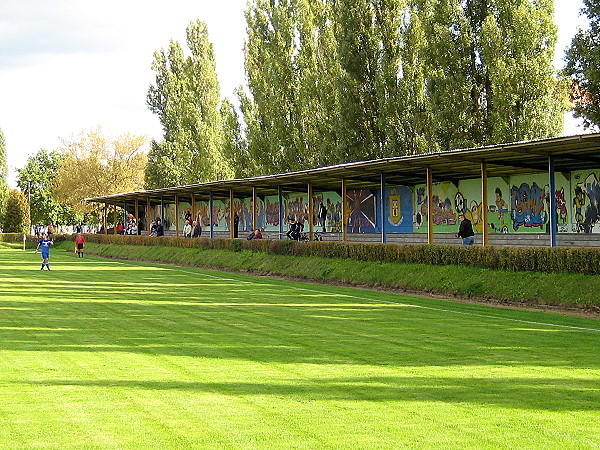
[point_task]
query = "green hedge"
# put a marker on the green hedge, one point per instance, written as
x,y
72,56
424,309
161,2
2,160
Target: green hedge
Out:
x,y
536,259
17,238
11,237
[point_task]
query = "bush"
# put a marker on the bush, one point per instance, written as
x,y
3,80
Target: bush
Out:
x,y
536,259
16,217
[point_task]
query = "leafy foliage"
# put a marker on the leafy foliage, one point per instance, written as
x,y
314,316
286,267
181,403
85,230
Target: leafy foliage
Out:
x,y
93,165
4,191
337,81
583,67
235,147
16,217
185,97
36,180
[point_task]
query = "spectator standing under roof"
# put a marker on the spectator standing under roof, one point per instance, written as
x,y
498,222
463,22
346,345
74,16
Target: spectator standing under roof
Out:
x,y
465,231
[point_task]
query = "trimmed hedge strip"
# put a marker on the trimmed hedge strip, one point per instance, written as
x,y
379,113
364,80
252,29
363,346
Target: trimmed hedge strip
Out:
x,y
17,238
530,259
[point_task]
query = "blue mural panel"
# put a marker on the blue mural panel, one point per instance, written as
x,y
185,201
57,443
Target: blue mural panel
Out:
x,y
398,210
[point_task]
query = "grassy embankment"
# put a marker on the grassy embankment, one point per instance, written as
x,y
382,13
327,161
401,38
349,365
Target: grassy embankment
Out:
x,y
559,289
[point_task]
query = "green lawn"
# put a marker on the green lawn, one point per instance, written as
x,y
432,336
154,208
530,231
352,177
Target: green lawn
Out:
x,y
110,354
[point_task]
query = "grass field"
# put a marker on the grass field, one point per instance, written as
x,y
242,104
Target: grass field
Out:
x,y
109,354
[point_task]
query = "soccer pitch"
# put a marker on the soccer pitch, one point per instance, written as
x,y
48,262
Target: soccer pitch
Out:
x,y
109,354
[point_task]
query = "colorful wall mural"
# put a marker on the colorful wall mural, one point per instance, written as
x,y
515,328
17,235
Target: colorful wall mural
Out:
x,y
333,203
518,204
586,201
446,200
361,211
398,209
530,203
498,194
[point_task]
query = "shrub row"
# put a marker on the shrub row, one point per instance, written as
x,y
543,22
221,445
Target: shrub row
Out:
x,y
11,237
537,259
31,241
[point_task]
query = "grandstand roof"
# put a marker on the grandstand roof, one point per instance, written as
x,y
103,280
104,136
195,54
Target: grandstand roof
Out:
x,y
503,160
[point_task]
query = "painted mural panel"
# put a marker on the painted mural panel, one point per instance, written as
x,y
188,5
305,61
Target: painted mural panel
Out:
x,y
271,213
296,206
221,214
333,203
444,208
203,214
498,193
468,202
585,189
169,217
185,210
562,196
530,203
398,209
246,214
361,211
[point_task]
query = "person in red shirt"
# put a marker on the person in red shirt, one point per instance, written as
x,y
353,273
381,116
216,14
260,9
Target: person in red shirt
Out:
x,y
79,245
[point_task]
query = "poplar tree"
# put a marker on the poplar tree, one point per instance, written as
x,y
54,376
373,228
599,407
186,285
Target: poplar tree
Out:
x,y
4,191
235,147
332,81
583,67
186,97
490,73
291,113
16,218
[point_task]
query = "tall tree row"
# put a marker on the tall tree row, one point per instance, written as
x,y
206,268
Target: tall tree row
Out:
x,y
341,80
493,79
292,76
186,99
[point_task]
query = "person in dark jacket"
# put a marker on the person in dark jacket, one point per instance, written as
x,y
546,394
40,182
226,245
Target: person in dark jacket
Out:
x,y
197,230
322,215
160,231
465,231
236,223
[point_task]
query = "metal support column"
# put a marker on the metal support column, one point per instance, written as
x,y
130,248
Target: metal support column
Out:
x,y
553,219
177,216
484,204
344,211
137,216
281,210
147,215
231,214
162,212
193,207
311,206
429,206
254,209
104,218
115,218
211,214
382,209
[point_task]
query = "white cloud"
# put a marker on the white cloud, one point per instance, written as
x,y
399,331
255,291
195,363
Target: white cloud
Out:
x,y
68,65
72,65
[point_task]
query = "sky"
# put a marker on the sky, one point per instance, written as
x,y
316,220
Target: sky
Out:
x,y
73,65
